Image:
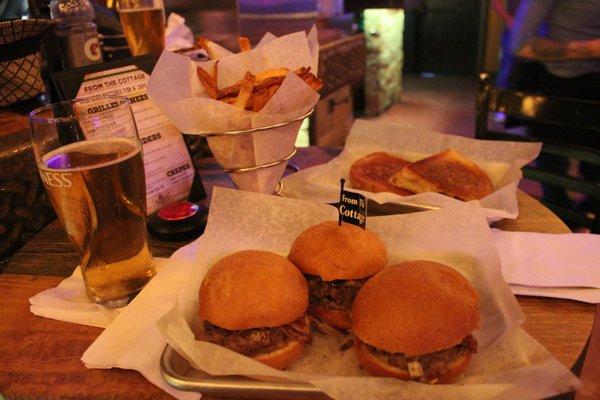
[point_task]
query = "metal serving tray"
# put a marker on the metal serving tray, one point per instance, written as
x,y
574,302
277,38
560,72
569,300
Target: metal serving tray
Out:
x,y
178,373
374,209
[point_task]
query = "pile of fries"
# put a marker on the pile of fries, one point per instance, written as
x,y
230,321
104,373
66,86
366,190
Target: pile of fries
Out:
x,y
253,91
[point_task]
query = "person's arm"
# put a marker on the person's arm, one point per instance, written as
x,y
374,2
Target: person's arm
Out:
x,y
500,9
542,49
526,41
529,19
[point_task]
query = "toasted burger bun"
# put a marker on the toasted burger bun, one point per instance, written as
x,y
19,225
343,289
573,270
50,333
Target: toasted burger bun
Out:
x,y
339,319
338,252
253,289
281,358
415,308
378,367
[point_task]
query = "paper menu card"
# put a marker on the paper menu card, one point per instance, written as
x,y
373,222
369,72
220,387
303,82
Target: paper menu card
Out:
x,y
168,167
508,365
501,160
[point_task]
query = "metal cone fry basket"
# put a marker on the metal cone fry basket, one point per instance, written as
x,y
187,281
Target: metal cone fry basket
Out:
x,y
256,158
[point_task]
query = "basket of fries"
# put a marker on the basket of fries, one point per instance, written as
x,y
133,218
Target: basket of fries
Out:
x,y
249,105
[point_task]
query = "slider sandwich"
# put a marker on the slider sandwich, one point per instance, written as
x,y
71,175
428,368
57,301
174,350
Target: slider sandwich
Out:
x,y
254,302
336,261
414,320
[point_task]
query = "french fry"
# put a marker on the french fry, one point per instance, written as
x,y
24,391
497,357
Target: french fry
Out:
x,y
229,91
302,70
269,82
245,91
254,91
229,100
263,79
272,73
260,98
314,82
206,44
234,89
244,43
207,81
215,74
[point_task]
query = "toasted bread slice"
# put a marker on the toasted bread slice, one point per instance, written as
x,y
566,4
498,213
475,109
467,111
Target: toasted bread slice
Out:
x,y
372,173
449,173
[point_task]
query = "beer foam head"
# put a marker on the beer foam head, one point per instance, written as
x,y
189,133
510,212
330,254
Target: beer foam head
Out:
x,y
90,153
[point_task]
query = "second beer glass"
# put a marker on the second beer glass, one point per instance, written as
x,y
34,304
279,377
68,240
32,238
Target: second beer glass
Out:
x,y
90,161
143,23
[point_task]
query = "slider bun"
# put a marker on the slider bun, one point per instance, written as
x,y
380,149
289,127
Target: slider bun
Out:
x,y
338,252
415,307
339,319
252,289
281,358
378,367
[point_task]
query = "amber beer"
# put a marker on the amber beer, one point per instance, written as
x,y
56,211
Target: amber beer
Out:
x,y
97,188
144,30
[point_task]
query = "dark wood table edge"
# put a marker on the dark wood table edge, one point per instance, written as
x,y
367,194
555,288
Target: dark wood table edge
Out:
x,y
587,366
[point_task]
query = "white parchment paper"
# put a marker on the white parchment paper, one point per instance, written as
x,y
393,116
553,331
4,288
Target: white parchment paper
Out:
x,y
175,88
509,363
501,160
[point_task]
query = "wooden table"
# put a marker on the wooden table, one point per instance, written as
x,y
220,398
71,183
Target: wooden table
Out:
x,y
41,357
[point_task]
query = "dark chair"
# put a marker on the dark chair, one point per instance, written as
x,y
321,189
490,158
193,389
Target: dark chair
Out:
x,y
569,128
24,205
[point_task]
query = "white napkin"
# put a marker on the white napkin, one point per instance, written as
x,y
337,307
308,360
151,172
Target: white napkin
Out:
x,y
178,35
551,265
68,302
118,347
586,295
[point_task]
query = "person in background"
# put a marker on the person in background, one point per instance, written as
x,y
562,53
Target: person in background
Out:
x,y
568,54
569,50
506,10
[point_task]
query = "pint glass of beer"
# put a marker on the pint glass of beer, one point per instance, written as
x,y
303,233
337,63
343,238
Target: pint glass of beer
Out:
x,y
90,161
143,23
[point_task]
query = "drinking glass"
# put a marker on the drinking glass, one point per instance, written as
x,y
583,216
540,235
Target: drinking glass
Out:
x,y
143,23
90,161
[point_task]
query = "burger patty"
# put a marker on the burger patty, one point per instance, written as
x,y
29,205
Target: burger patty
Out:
x,y
428,367
335,295
252,342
